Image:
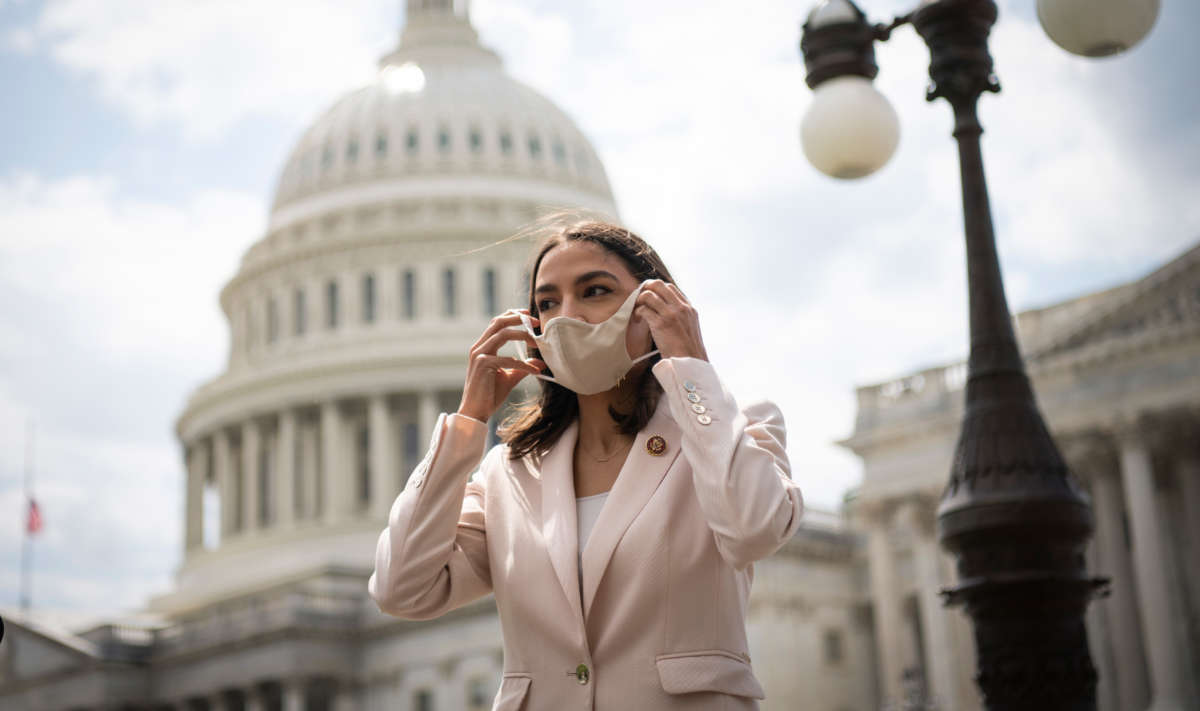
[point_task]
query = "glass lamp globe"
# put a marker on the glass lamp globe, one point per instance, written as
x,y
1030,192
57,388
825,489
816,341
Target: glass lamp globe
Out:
x,y
1097,28
850,129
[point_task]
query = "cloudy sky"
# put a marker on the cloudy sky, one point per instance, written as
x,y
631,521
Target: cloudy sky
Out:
x,y
143,139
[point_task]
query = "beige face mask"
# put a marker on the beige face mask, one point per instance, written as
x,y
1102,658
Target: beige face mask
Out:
x,y
587,358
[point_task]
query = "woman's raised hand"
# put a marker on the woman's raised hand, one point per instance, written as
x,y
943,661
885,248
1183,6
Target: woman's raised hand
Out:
x,y
673,321
491,377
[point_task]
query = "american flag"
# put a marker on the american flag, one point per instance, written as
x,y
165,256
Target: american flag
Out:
x,y
33,523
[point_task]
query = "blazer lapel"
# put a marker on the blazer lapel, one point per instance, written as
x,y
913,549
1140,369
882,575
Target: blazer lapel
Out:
x,y
559,527
637,481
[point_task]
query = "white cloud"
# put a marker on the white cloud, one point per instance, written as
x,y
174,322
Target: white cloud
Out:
x,y
110,320
206,66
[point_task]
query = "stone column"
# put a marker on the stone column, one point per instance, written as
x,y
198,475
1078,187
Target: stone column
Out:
x,y
1095,460
250,474
197,469
427,414
223,467
310,463
293,695
919,517
254,700
885,598
285,469
1149,556
382,459
333,478
1187,471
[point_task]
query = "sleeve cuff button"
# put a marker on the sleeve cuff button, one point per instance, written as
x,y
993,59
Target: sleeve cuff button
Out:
x,y
704,419
693,397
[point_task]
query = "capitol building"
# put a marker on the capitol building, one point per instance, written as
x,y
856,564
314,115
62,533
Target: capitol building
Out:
x,y
350,322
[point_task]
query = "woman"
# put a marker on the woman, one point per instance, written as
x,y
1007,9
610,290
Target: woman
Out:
x,y
618,522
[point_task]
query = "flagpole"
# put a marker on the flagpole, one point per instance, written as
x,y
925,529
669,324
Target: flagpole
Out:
x,y
27,541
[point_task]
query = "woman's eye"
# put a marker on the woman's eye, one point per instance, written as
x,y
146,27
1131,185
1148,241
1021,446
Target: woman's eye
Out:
x,y
596,290
544,304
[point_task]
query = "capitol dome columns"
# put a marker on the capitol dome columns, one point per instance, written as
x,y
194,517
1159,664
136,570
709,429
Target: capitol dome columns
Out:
x,y
285,470
383,465
197,472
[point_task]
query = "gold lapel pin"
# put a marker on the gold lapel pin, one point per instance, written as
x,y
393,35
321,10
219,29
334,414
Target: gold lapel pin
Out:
x,y
656,446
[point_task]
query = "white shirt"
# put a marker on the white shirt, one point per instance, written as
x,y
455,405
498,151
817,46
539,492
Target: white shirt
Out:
x,y
587,510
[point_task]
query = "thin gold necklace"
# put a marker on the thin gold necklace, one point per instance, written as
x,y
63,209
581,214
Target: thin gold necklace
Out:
x,y
610,456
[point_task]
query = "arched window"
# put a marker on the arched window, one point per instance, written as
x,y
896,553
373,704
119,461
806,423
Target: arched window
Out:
x,y
444,139
352,151
363,460
331,304
381,145
408,294
413,141
423,700
368,298
506,143
489,292
449,292
535,147
272,320
476,140
298,314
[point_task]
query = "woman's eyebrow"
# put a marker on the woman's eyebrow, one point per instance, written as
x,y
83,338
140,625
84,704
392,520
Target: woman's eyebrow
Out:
x,y
578,280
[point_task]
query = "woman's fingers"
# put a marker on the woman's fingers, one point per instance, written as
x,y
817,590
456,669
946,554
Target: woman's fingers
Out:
x,y
492,345
505,320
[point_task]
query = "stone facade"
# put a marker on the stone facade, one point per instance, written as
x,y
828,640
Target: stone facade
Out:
x,y
1117,376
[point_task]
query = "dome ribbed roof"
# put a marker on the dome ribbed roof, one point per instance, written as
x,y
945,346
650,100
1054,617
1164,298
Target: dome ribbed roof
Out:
x,y
441,105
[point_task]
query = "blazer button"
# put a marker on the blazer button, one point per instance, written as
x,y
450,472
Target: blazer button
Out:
x,y
693,397
704,419
689,385
581,673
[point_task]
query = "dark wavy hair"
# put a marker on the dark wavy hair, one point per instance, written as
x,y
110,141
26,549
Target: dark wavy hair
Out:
x,y
536,424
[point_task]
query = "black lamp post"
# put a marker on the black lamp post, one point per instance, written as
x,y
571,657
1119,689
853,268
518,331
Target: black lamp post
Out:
x,y
1011,513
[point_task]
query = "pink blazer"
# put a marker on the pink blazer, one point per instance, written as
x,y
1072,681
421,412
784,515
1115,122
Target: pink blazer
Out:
x,y
660,623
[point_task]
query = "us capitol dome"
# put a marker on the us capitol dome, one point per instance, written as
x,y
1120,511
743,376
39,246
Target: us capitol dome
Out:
x,y
351,317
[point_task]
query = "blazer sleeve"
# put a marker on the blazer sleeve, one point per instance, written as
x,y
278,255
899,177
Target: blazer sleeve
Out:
x,y
432,557
739,462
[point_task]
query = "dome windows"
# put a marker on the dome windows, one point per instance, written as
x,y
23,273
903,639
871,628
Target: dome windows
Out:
x,y
535,146
444,140
368,298
381,145
412,141
272,320
560,153
408,293
449,293
352,151
475,139
489,292
506,142
331,304
299,316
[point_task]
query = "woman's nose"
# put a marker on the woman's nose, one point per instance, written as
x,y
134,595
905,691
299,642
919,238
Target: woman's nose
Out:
x,y
571,308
